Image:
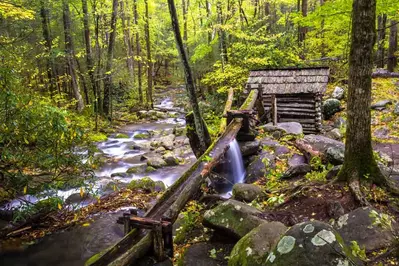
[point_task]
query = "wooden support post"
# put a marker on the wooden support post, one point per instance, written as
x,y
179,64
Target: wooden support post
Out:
x,y
167,232
126,223
159,251
274,109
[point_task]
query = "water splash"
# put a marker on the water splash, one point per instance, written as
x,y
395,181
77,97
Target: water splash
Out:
x,y
235,165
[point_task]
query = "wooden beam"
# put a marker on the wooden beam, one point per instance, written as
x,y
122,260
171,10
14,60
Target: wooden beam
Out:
x,y
274,109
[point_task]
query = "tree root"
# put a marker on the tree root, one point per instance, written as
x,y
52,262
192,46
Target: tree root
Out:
x,y
354,186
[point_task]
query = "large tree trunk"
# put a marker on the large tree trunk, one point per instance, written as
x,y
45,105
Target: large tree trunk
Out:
x,y
302,29
108,69
393,46
382,22
200,128
138,52
51,75
222,34
150,65
359,161
70,57
127,42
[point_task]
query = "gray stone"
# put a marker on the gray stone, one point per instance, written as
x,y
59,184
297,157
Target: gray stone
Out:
x,y
259,166
268,142
249,148
339,122
292,128
381,105
281,150
335,209
331,107
123,175
297,171
156,162
339,93
142,135
233,218
321,143
246,192
381,133
311,244
167,141
359,226
396,109
296,159
253,249
334,134
77,198
206,254
335,155
170,158
159,186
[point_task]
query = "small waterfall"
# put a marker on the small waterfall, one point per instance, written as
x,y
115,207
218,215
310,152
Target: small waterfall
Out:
x,y
236,165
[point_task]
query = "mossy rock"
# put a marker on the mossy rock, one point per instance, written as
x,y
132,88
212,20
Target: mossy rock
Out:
x,y
137,169
331,107
121,136
246,192
150,169
144,135
146,184
253,249
97,137
159,186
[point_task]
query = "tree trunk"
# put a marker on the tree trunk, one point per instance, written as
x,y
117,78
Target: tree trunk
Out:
x,y
382,22
303,30
359,160
149,60
185,34
200,128
138,52
51,75
393,46
128,44
222,34
108,69
70,57
208,20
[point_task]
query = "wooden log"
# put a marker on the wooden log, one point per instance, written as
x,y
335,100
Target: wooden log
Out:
x,y
293,109
295,114
385,74
299,120
227,107
138,242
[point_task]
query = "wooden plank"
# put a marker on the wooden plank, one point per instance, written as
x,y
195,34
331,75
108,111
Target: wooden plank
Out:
x,y
274,109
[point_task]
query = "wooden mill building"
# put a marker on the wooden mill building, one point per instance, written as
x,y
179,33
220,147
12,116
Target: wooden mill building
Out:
x,y
295,93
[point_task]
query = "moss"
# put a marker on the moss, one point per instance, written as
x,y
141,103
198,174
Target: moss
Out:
x,y
121,136
136,169
142,136
145,183
150,169
97,137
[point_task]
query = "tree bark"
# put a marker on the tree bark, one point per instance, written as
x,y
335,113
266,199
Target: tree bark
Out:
x,y
185,34
70,56
200,129
393,46
227,107
303,30
150,65
108,69
138,52
208,20
359,160
127,42
382,21
222,34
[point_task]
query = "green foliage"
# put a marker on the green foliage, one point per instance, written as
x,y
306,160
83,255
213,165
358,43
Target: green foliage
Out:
x,y
357,251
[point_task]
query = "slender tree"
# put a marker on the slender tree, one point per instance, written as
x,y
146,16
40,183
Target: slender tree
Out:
x,y
190,84
138,51
382,22
150,65
70,55
359,160
222,34
127,42
108,69
393,46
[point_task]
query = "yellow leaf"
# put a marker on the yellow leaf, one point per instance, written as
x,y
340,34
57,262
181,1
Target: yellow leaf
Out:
x,y
26,141
59,206
86,224
25,189
30,103
82,192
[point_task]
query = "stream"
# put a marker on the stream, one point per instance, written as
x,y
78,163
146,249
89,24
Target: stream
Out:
x,y
75,245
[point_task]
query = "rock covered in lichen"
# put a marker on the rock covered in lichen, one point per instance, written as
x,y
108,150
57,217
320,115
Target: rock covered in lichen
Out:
x,y
311,244
233,217
246,192
253,249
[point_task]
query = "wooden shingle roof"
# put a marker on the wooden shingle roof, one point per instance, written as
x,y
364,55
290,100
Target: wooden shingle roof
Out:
x,y
289,80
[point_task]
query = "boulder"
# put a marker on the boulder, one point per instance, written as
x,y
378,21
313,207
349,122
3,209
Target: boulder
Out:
x,y
321,143
259,166
170,159
335,155
311,244
253,249
206,254
77,198
156,162
338,93
159,186
296,159
330,107
146,184
233,218
297,171
381,133
396,109
292,128
334,134
361,225
123,175
142,135
167,141
381,105
246,192
281,150
267,141
249,148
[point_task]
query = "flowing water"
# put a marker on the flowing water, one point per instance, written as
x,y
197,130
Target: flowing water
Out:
x,y
236,163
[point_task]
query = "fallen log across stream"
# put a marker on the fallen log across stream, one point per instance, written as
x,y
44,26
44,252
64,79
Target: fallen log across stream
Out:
x,y
138,243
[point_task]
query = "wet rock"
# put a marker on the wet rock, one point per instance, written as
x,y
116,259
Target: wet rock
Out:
x,y
292,128
206,254
335,155
156,162
338,93
360,226
167,141
259,166
146,184
253,249
170,159
311,244
161,115
159,186
382,133
160,149
150,169
246,192
77,198
121,136
396,109
142,135
381,105
151,261
297,171
333,173
331,107
139,169
249,148
123,175
334,134
233,218
296,159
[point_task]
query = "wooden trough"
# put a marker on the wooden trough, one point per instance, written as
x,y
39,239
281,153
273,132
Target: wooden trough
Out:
x,y
295,93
